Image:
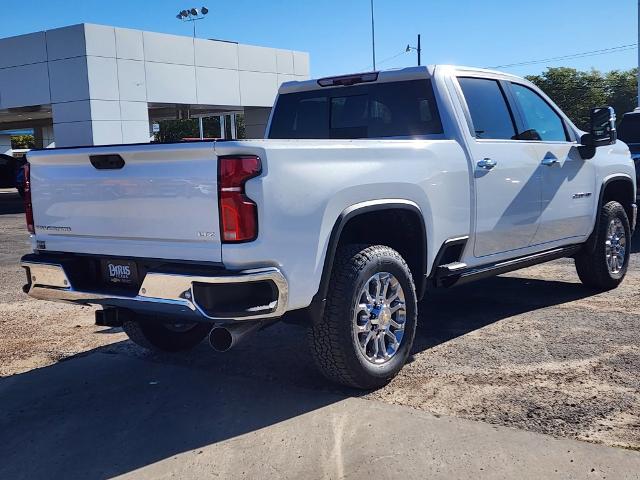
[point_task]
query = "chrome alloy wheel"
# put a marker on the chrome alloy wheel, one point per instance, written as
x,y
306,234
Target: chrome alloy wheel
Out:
x,y
380,318
615,246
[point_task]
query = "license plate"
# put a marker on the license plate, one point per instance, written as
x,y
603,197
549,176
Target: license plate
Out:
x,y
119,272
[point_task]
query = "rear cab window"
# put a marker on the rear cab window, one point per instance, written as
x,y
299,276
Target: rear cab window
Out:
x,y
490,113
371,110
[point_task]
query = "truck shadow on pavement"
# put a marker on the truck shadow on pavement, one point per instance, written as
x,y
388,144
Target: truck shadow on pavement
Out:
x,y
635,242
114,410
444,316
10,203
101,415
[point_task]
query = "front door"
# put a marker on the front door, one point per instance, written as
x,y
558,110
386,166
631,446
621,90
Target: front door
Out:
x,y
568,181
507,172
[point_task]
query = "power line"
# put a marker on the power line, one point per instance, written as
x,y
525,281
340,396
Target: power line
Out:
x,y
603,51
393,57
591,53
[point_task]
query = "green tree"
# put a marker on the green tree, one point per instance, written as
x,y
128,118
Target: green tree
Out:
x,y
176,130
240,128
623,90
23,141
576,92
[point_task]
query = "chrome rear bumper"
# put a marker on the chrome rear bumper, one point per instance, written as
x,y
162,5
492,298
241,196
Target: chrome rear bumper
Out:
x,y
160,293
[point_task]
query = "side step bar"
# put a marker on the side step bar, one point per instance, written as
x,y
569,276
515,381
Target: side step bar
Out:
x,y
458,273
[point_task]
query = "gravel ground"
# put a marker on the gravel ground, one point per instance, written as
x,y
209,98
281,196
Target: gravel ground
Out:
x,y
532,349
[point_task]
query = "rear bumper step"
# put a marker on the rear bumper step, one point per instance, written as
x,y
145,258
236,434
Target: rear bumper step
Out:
x,y
169,294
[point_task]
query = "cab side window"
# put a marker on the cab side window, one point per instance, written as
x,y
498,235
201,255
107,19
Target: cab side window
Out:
x,y
488,108
542,123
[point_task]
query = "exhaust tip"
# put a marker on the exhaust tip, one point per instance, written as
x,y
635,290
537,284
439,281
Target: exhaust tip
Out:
x,y
220,339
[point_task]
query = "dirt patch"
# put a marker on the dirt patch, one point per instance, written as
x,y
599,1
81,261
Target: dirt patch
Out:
x,y
561,361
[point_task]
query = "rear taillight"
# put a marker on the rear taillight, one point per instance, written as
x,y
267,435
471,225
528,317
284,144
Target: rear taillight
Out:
x,y
238,213
28,207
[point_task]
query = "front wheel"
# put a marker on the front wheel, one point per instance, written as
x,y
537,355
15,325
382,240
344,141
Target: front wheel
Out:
x,y
366,333
153,334
606,267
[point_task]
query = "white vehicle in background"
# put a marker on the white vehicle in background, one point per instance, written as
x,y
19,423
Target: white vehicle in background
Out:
x,y
369,191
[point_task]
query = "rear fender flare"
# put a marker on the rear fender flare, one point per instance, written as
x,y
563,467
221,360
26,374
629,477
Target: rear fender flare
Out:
x,y
367,207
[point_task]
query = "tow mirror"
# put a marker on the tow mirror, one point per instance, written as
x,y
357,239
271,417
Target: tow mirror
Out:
x,y
603,128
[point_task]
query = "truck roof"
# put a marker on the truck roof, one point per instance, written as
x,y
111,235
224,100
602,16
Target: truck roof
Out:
x,y
381,76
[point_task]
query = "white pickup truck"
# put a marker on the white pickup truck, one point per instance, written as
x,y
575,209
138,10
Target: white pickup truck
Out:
x,y
369,191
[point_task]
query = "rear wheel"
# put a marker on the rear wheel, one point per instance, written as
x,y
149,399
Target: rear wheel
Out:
x,y
366,332
153,334
606,267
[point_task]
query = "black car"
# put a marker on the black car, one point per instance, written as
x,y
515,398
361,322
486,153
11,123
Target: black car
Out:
x,y
11,172
629,133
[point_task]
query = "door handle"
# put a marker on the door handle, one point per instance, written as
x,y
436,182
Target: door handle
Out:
x,y
550,162
487,164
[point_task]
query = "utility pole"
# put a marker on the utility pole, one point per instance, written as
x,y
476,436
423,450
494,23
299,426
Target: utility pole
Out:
x,y
419,50
638,78
373,35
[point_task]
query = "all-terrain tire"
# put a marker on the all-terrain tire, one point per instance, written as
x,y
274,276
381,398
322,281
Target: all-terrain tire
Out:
x,y
331,336
153,334
593,268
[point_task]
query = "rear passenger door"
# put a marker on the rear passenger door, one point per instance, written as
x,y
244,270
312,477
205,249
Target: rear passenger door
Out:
x,y
506,176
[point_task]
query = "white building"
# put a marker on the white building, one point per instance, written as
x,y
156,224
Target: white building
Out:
x,y
95,85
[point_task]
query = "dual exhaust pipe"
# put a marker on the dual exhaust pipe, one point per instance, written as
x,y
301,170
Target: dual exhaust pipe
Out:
x,y
224,338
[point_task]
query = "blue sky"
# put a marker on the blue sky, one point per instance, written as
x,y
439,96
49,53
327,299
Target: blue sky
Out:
x,y
337,33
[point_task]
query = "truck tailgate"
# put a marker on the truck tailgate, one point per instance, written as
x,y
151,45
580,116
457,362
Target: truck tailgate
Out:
x,y
161,204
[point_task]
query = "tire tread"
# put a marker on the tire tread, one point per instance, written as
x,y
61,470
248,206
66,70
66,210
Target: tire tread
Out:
x,y
591,267
325,335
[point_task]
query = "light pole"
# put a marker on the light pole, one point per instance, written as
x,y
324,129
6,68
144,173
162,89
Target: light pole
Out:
x,y
638,78
373,35
191,15
419,50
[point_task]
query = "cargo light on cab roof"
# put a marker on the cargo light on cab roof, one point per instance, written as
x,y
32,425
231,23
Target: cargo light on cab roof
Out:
x,y
347,80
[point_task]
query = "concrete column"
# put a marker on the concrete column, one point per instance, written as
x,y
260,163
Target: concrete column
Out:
x,y
100,122
200,128
37,137
223,127
255,121
48,140
97,97
5,144
44,137
234,133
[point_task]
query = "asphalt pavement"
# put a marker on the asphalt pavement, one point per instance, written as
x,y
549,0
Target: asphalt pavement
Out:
x,y
533,350
108,416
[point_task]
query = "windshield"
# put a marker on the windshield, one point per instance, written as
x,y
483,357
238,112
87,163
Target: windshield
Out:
x,y
376,110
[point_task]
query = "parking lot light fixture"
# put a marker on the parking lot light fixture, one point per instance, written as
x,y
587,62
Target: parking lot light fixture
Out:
x,y
192,15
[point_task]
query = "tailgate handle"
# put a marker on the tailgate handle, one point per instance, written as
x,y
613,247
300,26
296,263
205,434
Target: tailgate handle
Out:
x,y
107,162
